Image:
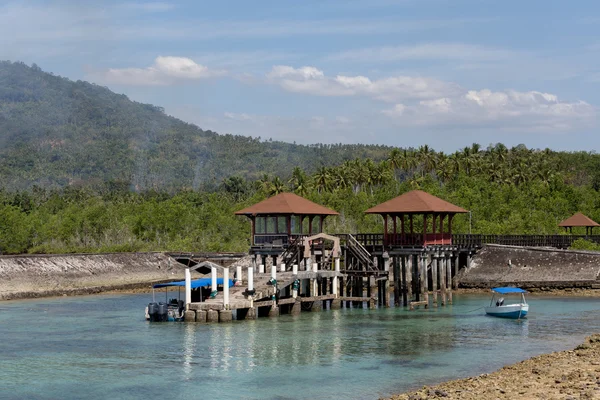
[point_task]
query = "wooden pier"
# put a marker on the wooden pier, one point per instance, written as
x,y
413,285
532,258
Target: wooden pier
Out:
x,y
294,266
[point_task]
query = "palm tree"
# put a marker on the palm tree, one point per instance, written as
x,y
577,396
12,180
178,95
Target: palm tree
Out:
x,y
264,184
322,179
426,157
299,182
277,186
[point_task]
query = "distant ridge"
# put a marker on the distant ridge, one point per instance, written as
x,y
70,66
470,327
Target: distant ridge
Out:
x,y
55,132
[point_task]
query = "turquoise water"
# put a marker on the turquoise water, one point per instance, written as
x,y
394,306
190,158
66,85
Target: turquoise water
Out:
x,y
100,347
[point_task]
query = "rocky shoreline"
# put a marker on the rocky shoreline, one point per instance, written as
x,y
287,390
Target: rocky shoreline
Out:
x,y
572,374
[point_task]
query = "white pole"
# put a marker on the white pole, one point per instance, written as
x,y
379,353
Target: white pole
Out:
x,y
261,269
226,287
295,273
336,263
274,271
250,278
315,267
282,268
239,274
188,288
213,279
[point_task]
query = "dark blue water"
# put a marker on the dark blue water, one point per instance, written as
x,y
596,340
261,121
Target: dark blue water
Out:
x,y
100,347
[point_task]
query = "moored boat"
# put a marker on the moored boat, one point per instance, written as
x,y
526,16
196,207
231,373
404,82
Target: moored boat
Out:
x,y
173,309
498,308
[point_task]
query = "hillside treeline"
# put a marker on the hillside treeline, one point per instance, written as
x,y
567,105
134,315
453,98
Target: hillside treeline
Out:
x,y
508,191
55,133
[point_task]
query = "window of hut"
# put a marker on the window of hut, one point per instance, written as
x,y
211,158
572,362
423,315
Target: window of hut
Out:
x,y
260,227
296,222
271,224
282,225
316,224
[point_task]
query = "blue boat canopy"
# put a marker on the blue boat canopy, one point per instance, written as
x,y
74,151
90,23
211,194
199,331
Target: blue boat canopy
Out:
x,y
196,283
505,290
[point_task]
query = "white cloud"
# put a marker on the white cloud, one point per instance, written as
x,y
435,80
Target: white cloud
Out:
x,y
310,80
164,71
533,111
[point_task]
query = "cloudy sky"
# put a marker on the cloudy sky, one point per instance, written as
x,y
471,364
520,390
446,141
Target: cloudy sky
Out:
x,y
408,72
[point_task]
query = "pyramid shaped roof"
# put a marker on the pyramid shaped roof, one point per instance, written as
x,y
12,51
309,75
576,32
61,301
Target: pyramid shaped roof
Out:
x,y
286,203
415,201
578,220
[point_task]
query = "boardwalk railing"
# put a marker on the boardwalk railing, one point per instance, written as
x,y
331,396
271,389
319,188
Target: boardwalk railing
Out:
x,y
475,240
558,241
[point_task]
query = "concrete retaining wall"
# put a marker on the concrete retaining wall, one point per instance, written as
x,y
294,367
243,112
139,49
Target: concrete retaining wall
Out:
x,y
529,267
52,275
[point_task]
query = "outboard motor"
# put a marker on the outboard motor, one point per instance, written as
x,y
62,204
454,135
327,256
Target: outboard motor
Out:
x,y
153,312
163,312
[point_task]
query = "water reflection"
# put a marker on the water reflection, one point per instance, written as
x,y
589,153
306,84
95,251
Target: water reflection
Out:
x,y
352,353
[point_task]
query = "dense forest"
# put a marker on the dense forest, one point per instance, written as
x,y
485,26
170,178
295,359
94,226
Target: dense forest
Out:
x,y
85,170
508,191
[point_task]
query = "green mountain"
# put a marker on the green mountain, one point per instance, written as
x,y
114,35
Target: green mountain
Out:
x,y
55,132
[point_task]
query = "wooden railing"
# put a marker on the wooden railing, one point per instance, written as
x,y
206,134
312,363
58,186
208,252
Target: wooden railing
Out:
x,y
558,241
472,240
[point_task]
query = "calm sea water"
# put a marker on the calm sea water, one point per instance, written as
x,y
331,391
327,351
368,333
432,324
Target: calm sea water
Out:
x,y
100,347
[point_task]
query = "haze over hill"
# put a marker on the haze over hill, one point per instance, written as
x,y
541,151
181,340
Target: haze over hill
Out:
x,y
55,132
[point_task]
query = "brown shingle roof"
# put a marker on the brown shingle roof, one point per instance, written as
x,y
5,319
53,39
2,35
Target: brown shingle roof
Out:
x,y
416,201
286,203
578,220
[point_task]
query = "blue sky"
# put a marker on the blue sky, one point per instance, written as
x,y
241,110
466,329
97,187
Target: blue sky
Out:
x,y
406,73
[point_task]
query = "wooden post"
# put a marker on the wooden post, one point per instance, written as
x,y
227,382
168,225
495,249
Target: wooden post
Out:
x,y
442,262
455,272
396,281
188,289
404,298
386,284
424,280
449,277
434,278
314,289
409,277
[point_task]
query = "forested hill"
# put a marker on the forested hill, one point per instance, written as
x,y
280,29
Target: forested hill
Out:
x,y
55,132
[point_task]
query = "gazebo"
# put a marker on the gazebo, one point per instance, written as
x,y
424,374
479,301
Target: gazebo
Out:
x,y
416,202
579,220
278,219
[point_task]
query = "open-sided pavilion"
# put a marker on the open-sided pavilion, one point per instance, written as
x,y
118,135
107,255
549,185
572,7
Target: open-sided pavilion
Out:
x,y
579,220
398,216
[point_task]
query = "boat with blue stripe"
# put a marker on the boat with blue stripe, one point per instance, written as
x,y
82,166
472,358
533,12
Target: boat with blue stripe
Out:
x,y
497,308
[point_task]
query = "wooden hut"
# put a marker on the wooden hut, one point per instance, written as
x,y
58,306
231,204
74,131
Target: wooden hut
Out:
x,y
277,220
579,220
398,216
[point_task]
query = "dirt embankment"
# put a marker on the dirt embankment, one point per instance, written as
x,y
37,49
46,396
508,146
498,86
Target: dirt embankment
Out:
x,y
573,374
532,268
73,274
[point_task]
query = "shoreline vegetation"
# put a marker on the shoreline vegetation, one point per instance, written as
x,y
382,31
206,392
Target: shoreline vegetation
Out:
x,y
571,374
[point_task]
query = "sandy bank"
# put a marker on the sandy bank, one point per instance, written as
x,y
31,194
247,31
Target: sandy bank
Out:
x,y
573,374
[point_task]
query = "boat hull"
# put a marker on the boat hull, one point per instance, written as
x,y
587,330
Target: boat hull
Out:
x,y
514,311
